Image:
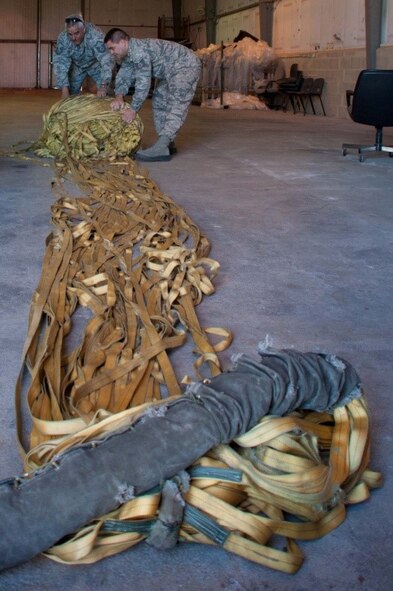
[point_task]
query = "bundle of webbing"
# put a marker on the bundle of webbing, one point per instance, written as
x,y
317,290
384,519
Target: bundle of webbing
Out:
x,y
84,126
124,478
287,479
111,429
138,264
305,465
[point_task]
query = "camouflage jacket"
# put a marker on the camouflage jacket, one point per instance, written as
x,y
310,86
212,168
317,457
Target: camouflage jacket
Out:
x,y
153,58
90,52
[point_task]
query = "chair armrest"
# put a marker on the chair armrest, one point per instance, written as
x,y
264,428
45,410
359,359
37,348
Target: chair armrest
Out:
x,y
349,95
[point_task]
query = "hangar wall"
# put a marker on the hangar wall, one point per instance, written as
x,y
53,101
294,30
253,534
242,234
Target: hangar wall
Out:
x,y
29,28
325,37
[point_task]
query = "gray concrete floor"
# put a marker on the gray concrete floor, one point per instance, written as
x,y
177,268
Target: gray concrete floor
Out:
x,y
304,238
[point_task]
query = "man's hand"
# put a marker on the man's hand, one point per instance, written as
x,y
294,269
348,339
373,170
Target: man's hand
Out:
x,y
128,115
118,103
65,92
101,91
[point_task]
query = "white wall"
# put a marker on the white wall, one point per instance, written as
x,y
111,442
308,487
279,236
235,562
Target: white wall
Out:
x,y
139,19
228,5
195,9
305,25
229,26
387,28
299,25
325,37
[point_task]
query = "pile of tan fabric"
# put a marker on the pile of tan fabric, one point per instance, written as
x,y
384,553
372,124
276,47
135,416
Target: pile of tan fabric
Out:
x,y
119,452
85,126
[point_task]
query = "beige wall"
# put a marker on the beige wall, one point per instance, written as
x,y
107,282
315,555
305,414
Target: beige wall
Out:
x,y
338,66
139,19
19,29
326,38
307,25
246,20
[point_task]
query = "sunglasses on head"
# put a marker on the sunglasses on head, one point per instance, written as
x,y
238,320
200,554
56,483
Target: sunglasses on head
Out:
x,y
72,20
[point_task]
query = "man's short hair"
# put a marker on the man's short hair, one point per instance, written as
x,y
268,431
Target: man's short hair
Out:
x,y
115,35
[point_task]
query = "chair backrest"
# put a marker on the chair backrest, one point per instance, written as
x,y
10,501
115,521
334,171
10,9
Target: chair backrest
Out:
x,y
292,84
293,71
307,86
317,86
372,102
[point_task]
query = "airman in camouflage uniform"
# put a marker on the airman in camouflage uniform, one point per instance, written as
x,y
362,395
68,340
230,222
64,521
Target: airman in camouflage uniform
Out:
x,y
80,52
176,71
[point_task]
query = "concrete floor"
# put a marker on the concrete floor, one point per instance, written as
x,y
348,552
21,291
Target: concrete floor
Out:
x,y
304,238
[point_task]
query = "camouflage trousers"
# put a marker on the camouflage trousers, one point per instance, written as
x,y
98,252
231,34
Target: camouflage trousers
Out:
x,y
77,76
171,100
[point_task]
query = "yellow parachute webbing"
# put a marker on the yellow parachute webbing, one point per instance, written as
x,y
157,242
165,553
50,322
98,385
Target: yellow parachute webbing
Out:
x,y
133,259
306,465
85,126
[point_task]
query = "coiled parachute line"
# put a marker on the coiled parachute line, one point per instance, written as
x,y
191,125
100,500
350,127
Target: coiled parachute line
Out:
x,y
85,126
137,264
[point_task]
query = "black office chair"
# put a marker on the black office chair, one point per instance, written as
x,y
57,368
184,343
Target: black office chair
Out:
x,y
371,104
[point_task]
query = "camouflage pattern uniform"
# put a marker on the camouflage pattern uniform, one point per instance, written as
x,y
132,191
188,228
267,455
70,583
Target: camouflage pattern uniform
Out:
x,y
72,63
176,70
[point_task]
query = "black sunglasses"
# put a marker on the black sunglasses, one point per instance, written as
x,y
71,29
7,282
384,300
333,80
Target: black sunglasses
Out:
x,y
73,20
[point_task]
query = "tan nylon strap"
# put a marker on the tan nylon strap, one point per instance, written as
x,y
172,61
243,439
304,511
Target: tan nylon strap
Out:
x,y
236,506
119,371
139,265
134,259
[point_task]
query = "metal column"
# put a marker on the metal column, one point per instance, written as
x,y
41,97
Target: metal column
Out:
x,y
177,20
38,46
373,12
266,10
211,17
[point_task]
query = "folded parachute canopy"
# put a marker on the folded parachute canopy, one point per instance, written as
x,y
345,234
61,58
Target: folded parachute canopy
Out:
x,y
93,478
